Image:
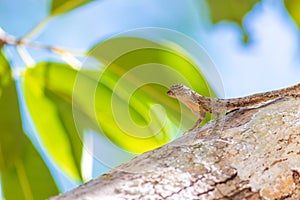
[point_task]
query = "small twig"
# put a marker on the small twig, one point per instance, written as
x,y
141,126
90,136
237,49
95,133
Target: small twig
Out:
x,y
11,40
69,56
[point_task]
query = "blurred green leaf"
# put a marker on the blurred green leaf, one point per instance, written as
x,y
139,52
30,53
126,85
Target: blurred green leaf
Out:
x,y
136,79
293,7
62,6
5,72
118,98
231,10
24,175
48,92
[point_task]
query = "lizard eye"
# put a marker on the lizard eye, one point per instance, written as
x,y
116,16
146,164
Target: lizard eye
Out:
x,y
171,93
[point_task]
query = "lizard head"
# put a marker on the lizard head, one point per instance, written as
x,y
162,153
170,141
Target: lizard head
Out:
x,y
187,96
180,91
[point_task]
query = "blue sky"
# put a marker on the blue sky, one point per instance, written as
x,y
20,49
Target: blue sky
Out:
x,y
268,62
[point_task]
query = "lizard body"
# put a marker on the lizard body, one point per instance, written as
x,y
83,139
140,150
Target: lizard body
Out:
x,y
201,105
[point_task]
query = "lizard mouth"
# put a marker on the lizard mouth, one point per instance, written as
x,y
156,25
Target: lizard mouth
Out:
x,y
170,93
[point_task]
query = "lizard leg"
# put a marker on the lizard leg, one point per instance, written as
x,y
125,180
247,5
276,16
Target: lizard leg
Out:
x,y
217,127
201,118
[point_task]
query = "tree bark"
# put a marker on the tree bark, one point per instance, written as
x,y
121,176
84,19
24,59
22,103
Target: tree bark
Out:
x,y
255,156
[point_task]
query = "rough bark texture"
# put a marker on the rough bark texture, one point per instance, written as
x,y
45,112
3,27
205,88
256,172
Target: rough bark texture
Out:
x,y
256,156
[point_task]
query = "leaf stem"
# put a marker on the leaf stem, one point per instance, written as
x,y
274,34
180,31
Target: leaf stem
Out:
x,y
25,56
37,29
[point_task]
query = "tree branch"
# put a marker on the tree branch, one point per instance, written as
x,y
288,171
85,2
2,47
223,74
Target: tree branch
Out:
x,y
256,156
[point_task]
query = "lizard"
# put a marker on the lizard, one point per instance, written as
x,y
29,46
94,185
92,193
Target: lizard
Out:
x,y
200,105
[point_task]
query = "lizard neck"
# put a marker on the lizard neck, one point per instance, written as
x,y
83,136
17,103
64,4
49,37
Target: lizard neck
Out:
x,y
197,103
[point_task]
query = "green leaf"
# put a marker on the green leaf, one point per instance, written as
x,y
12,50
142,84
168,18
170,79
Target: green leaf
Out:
x,y
48,92
293,7
5,72
120,102
62,6
231,10
135,81
24,174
